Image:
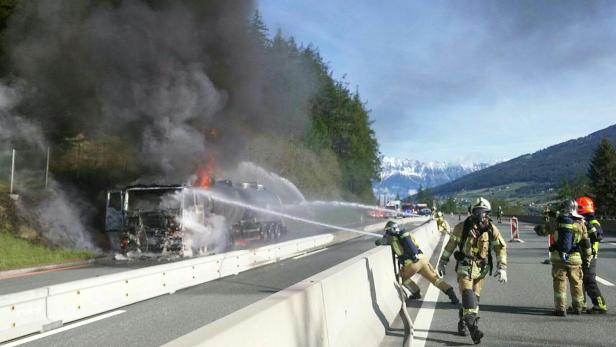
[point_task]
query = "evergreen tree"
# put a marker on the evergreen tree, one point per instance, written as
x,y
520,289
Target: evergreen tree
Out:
x,y
424,196
259,30
7,7
602,175
449,206
565,192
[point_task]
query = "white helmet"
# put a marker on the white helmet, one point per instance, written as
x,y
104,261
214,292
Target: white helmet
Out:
x,y
483,204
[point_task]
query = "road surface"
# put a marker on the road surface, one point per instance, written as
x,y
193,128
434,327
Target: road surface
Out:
x,y
519,313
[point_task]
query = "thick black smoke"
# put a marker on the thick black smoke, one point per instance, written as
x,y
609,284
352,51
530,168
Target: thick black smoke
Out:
x,y
160,74
177,81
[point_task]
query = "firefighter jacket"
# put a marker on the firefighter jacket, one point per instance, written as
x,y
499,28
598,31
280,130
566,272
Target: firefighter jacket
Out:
x,y
472,248
404,245
578,247
442,225
595,233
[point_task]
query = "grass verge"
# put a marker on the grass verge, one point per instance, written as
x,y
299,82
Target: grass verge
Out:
x,y
17,253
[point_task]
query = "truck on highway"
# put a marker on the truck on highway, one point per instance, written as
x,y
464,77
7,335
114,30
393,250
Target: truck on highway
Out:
x,y
165,218
395,206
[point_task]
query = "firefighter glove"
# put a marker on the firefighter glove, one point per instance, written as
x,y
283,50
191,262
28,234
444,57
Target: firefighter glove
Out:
x,y
381,242
502,275
441,267
564,256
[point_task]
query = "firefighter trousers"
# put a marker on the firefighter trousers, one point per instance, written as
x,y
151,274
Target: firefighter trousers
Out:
x,y
590,282
424,268
561,274
470,290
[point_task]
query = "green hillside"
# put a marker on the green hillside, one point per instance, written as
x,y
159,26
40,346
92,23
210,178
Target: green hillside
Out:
x,y
541,170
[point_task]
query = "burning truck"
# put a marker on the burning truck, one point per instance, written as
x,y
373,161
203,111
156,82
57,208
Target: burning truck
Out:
x,y
162,218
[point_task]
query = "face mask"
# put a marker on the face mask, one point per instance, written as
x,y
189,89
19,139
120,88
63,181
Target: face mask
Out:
x,y
480,217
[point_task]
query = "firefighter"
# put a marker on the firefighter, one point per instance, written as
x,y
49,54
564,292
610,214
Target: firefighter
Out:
x,y
475,239
569,248
441,223
547,213
586,208
499,214
412,261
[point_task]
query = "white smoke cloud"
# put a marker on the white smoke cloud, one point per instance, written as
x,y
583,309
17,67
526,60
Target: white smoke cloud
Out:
x,y
58,215
60,219
250,172
204,237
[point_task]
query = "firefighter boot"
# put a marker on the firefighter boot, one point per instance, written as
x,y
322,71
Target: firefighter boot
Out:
x,y
452,296
472,323
461,324
598,306
416,295
560,313
575,310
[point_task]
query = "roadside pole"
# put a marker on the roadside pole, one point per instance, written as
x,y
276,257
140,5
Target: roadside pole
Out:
x,y
47,169
12,172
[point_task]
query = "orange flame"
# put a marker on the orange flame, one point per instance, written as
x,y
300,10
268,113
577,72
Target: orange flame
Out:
x,y
205,174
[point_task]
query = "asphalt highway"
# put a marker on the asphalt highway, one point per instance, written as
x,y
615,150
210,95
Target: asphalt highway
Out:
x,y
519,313
162,319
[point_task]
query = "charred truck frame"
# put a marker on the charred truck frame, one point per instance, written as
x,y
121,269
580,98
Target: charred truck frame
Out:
x,y
149,218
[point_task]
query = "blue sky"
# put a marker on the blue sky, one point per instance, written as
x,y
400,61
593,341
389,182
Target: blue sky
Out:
x,y
466,80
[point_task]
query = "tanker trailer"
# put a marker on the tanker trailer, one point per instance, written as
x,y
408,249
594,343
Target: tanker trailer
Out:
x,y
245,223
265,226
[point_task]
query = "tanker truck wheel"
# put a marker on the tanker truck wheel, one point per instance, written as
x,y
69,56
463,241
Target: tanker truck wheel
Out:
x,y
264,232
277,231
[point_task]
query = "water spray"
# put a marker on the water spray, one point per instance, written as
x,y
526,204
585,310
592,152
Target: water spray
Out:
x,y
283,215
344,204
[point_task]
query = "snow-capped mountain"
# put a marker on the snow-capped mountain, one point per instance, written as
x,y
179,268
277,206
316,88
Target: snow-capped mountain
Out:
x,y
405,176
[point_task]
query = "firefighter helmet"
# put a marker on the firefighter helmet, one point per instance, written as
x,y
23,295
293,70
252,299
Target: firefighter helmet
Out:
x,y
392,228
569,208
585,205
439,214
482,204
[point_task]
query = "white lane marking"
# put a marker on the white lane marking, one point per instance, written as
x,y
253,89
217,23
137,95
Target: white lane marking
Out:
x,y
310,253
64,328
604,281
421,324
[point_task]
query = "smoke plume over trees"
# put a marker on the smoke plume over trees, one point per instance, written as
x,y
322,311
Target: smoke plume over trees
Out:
x,y
146,91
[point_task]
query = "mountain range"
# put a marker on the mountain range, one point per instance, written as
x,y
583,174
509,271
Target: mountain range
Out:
x,y
546,167
406,176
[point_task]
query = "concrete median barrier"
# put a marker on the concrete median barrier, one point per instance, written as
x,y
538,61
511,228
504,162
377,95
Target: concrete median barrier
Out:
x,y
23,313
31,311
351,304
